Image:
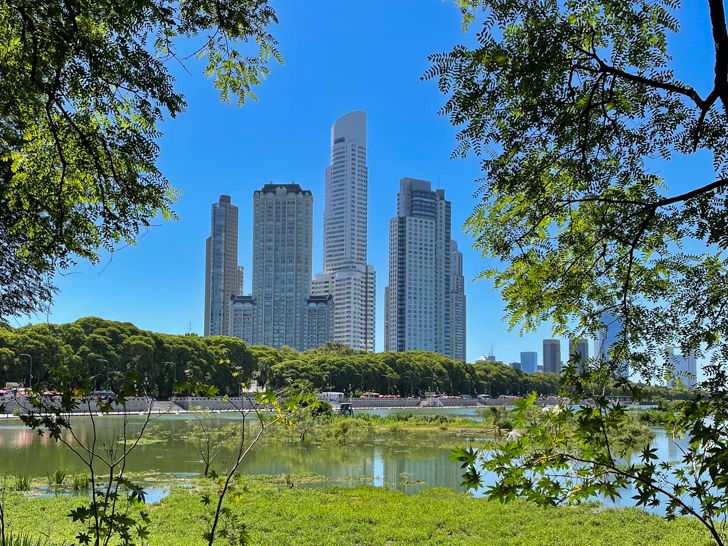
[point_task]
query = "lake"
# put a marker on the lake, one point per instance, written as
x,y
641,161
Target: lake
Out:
x,y
394,466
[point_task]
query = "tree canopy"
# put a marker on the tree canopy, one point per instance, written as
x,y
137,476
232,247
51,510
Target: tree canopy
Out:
x,y
85,84
572,107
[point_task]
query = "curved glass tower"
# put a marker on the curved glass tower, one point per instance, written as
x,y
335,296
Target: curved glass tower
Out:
x,y
346,276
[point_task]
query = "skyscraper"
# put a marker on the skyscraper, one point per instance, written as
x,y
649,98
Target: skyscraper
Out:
x,y
418,298
580,346
607,336
529,361
552,356
686,369
457,304
282,250
346,276
223,278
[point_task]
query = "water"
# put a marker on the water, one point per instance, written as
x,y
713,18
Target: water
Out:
x,y
420,461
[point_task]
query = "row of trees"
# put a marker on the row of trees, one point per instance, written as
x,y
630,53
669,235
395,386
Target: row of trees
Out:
x,y
106,350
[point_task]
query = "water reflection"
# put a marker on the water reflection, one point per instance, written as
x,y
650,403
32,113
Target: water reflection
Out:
x,y
409,464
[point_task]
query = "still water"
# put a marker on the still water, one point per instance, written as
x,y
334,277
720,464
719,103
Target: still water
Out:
x,y
409,466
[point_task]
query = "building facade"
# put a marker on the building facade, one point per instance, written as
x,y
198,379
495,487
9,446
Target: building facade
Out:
x,y
418,301
458,339
552,356
607,336
223,276
282,255
346,276
243,315
529,361
685,368
580,347
317,321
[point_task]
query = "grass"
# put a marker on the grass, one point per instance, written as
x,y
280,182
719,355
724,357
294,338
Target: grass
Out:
x,y
57,477
81,481
27,539
22,482
275,513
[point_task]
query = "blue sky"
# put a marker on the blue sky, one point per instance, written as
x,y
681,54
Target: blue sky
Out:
x,y
339,57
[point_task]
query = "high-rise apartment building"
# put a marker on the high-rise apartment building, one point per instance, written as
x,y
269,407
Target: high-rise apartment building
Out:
x,y
457,304
685,368
580,347
607,336
317,321
223,277
346,276
243,315
282,252
418,300
552,356
529,361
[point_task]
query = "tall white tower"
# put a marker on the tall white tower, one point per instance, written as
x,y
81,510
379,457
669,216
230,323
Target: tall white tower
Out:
x,y
347,277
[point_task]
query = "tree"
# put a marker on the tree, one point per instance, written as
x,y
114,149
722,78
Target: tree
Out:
x,y
573,107
206,436
85,84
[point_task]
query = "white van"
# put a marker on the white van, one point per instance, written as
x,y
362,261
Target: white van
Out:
x,y
329,396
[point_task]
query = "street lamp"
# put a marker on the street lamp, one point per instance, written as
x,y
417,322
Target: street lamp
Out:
x,y
328,384
432,379
106,387
30,379
361,378
383,375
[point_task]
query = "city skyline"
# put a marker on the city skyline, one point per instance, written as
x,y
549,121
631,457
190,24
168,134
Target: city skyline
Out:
x,y
215,148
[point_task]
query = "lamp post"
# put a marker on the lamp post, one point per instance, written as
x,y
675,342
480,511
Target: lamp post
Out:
x,y
468,382
30,379
361,378
328,383
383,375
432,379
106,387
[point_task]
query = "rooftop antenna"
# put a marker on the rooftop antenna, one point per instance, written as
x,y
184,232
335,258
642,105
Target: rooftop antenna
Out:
x,y
491,350
190,331
438,182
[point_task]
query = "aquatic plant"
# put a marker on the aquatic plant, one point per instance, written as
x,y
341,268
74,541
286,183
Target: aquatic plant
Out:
x,y
22,482
57,477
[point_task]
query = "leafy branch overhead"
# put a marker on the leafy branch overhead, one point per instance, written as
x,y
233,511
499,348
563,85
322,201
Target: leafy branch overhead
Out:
x,y
85,85
572,108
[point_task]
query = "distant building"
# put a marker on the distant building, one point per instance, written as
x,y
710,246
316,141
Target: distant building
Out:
x,y
529,361
515,365
580,347
243,315
418,298
481,359
457,304
607,336
223,277
282,255
490,358
685,368
552,356
539,368
318,320
346,276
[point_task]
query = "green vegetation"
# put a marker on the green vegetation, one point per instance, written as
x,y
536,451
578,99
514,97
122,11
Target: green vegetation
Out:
x,y
95,346
81,482
22,482
274,513
57,477
85,87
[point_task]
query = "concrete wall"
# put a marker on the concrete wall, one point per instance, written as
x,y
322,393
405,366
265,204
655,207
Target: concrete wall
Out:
x,y
384,402
214,404
133,405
